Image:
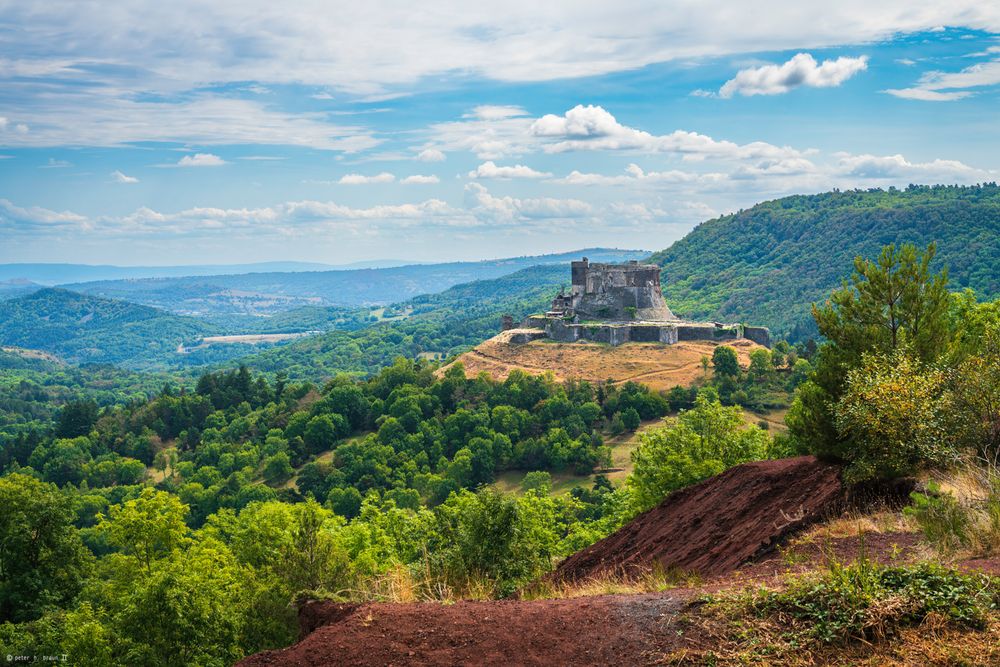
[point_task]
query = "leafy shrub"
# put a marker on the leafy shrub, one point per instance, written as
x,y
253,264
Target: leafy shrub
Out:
x,y
867,602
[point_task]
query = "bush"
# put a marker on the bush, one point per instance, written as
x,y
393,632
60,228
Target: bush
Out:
x,y
868,602
892,418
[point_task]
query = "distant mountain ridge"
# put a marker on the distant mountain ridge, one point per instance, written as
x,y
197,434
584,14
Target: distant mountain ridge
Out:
x,y
269,293
766,264
58,274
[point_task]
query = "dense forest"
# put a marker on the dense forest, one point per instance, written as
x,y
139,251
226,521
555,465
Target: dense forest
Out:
x,y
766,264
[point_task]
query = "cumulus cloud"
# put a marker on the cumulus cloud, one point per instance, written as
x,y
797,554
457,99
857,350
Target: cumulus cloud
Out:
x,y
593,128
490,170
495,112
16,219
950,86
896,167
418,179
512,209
361,179
201,160
431,155
119,177
7,126
801,70
634,174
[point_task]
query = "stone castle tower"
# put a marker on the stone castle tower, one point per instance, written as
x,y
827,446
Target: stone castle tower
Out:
x,y
616,292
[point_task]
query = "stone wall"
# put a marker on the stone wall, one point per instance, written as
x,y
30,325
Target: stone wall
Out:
x,y
618,292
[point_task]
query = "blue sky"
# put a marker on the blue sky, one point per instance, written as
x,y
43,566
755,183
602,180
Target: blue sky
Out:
x,y
173,133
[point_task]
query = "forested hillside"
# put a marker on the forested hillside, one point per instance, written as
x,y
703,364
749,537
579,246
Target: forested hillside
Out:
x,y
767,264
440,325
34,389
86,329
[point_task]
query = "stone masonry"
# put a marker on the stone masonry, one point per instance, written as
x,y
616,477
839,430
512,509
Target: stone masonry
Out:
x,y
621,303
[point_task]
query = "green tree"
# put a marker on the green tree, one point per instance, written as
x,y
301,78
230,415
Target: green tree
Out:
x,y
190,610
724,361
539,481
77,418
147,528
892,418
761,366
696,444
890,303
43,562
277,468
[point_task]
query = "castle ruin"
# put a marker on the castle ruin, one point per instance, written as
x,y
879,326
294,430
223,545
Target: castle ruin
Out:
x,y
614,292
620,303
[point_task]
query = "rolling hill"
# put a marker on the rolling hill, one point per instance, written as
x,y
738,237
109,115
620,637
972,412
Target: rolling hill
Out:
x,y
767,264
85,329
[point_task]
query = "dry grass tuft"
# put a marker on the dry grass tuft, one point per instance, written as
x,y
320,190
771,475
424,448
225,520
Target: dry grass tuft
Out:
x,y
856,524
653,581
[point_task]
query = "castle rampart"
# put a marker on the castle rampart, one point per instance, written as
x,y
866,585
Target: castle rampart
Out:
x,y
622,303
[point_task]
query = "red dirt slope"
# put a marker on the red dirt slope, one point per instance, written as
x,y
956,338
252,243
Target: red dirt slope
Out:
x,y
715,526
607,630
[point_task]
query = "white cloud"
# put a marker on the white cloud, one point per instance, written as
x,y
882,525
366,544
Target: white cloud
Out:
x,y
369,48
950,86
98,116
35,218
19,128
634,174
593,128
512,209
418,179
897,167
431,155
801,70
201,160
119,177
491,170
361,179
495,112
53,163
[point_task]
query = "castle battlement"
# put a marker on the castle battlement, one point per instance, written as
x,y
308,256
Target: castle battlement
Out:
x,y
617,292
621,303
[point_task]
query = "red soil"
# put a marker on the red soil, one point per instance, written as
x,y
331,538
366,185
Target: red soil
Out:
x,y
605,630
717,525
724,528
